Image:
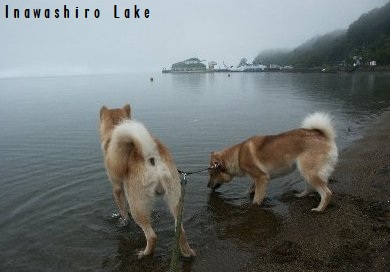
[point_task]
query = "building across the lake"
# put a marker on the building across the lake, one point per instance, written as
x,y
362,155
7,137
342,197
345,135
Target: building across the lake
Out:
x,y
189,65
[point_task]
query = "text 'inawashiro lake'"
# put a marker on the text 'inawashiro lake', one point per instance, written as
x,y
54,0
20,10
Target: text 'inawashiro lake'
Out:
x,y
75,12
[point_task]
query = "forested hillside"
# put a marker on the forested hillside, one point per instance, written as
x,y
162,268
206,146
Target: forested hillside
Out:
x,y
368,37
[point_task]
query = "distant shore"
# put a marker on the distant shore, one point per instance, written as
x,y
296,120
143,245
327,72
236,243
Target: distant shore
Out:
x,y
335,69
322,69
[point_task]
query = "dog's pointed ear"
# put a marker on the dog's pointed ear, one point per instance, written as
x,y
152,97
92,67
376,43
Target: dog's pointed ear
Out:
x,y
127,110
213,156
102,111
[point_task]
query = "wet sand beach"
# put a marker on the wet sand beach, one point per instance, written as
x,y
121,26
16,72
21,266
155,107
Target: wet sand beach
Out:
x,y
353,234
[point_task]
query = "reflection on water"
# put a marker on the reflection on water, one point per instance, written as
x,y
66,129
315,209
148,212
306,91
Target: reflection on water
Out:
x,y
248,224
56,201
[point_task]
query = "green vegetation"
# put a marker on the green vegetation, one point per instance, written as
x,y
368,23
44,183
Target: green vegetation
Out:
x,y
367,38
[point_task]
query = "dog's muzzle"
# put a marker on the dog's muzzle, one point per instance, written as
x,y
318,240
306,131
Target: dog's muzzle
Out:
x,y
214,186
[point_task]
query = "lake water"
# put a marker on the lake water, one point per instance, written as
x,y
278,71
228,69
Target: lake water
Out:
x,y
56,205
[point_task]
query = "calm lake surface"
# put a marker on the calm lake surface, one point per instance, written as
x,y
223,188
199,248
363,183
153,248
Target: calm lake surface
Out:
x,y
56,205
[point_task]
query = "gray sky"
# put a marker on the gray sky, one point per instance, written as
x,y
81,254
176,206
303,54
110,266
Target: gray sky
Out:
x,y
219,30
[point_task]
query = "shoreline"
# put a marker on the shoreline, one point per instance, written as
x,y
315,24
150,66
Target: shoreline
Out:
x,y
353,234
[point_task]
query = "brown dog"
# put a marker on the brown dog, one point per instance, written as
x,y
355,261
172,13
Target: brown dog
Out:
x,y
311,149
137,166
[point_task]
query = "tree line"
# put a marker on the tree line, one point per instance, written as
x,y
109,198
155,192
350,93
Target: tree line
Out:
x,y
368,38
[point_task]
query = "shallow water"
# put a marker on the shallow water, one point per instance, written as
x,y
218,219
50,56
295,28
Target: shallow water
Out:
x,y
56,205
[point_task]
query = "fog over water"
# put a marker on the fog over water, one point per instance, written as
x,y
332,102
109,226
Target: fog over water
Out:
x,y
175,30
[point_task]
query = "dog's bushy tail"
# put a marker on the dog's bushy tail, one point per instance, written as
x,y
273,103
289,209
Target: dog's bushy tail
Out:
x,y
131,137
320,121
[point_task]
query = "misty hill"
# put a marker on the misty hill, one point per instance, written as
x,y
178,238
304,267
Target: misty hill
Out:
x,y
368,37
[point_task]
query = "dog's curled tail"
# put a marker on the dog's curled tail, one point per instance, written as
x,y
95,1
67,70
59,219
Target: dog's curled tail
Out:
x,y
131,136
320,121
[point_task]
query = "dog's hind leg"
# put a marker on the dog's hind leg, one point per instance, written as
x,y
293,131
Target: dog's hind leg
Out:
x,y
141,204
308,189
310,166
120,199
314,168
321,187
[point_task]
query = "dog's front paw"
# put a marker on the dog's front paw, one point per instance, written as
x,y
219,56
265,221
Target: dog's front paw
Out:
x,y
188,253
317,210
141,254
303,193
257,202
